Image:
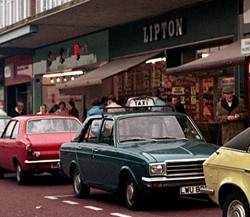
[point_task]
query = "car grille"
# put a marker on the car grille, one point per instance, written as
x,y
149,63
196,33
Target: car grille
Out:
x,y
187,168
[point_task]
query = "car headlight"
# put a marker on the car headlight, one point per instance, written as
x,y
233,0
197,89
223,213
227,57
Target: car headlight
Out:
x,y
156,169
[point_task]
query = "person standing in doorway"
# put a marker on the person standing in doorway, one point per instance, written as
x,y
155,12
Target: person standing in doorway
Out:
x,y
18,110
231,113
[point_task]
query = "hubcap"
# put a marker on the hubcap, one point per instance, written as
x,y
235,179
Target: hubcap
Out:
x,y
77,182
18,172
236,209
130,192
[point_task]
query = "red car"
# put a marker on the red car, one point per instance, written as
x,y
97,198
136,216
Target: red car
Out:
x,y
30,144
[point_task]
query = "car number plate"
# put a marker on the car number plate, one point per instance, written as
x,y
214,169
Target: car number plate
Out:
x,y
195,189
54,165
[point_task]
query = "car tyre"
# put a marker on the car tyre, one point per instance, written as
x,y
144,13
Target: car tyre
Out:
x,y
131,194
80,189
21,176
236,204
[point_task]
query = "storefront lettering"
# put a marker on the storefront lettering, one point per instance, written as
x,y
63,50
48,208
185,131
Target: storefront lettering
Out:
x,y
63,54
76,51
163,30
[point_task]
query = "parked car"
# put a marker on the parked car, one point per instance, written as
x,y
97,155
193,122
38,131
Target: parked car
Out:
x,y
30,144
227,174
133,153
4,119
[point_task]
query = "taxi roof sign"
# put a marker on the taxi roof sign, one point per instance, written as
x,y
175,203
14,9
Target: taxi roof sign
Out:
x,y
140,102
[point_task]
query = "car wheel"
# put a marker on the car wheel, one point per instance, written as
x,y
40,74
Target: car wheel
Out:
x,y
132,195
236,204
21,176
81,190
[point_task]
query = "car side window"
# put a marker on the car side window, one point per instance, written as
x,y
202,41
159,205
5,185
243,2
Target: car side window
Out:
x,y
15,131
9,130
107,133
93,130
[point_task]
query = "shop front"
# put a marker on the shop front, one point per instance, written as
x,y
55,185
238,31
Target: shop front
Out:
x,y
222,68
64,62
179,40
18,77
185,36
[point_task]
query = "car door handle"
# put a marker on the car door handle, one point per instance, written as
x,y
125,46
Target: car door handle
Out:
x,y
78,147
247,170
94,150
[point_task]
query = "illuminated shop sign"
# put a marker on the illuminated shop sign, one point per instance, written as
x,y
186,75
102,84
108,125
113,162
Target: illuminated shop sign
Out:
x,y
163,30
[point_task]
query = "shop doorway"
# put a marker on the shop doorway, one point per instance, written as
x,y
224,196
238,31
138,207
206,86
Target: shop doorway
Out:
x,y
20,92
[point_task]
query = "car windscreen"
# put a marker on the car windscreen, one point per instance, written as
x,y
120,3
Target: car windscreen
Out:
x,y
156,127
52,125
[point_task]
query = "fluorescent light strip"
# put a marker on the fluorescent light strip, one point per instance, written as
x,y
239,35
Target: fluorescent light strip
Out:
x,y
156,60
63,74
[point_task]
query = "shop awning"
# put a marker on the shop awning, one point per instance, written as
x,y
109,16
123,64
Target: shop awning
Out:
x,y
97,76
228,56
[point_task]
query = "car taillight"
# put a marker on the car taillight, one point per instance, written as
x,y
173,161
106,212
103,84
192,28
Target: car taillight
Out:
x,y
29,149
31,153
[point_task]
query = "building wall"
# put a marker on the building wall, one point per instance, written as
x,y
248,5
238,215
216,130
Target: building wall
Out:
x,y
204,21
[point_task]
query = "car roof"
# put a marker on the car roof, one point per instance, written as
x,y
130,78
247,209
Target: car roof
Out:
x,y
42,116
136,113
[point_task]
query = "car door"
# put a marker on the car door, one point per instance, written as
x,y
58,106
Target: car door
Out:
x,y
105,162
85,150
8,145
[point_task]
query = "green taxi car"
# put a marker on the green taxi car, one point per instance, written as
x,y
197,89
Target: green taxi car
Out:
x,y
136,153
227,174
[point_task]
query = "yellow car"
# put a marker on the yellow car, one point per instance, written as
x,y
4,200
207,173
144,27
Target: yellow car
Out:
x,y
227,176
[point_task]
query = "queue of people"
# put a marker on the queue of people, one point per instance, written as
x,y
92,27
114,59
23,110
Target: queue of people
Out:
x,y
231,111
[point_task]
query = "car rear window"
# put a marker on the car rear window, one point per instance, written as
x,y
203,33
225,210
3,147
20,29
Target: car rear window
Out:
x,y
52,125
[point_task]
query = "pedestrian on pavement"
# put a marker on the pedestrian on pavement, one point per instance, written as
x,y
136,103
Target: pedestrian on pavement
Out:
x,y
18,110
43,109
54,108
72,109
2,112
159,103
96,108
112,105
62,108
231,113
177,104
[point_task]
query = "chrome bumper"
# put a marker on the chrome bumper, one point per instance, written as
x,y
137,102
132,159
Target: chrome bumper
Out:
x,y
41,161
156,182
207,191
165,179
